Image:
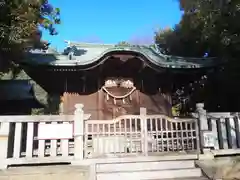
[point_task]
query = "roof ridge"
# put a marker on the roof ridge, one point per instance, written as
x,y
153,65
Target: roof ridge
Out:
x,y
83,44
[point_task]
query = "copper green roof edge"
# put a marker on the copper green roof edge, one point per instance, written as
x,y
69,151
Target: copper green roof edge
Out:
x,y
158,59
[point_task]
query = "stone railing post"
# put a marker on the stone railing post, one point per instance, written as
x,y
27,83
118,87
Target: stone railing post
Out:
x,y
143,117
202,115
78,132
205,137
4,133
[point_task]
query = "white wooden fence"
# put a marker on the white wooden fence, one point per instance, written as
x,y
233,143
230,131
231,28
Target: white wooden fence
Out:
x,y
225,129
143,134
220,132
19,139
126,135
20,143
139,134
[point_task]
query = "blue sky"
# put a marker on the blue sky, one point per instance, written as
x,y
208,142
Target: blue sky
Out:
x,y
106,21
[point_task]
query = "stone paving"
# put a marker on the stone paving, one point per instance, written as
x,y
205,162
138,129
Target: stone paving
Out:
x,y
65,172
224,168
219,168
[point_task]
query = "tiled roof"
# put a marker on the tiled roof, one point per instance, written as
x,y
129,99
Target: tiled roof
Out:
x,y
82,54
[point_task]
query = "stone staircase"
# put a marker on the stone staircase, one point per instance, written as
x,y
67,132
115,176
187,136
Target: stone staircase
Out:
x,y
149,170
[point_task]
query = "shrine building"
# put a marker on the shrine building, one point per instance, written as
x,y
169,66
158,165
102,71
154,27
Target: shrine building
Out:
x,y
112,80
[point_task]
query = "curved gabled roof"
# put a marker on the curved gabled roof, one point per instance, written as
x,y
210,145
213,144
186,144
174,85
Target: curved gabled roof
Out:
x,y
91,55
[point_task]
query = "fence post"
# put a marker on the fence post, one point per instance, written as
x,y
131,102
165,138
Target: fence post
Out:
x,y
78,132
202,115
4,133
144,132
203,128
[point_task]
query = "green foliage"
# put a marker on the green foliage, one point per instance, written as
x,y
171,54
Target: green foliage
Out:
x,y
206,26
210,26
19,28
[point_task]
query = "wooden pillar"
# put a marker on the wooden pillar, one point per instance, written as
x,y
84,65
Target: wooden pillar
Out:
x,y
99,100
168,83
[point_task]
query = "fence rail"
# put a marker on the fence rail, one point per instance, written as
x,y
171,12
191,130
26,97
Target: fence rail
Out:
x,y
126,135
171,134
40,118
225,129
23,142
20,144
120,136
139,134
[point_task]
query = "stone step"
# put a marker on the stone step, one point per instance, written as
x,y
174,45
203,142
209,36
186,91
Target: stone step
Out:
x,y
152,175
144,166
190,178
150,168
